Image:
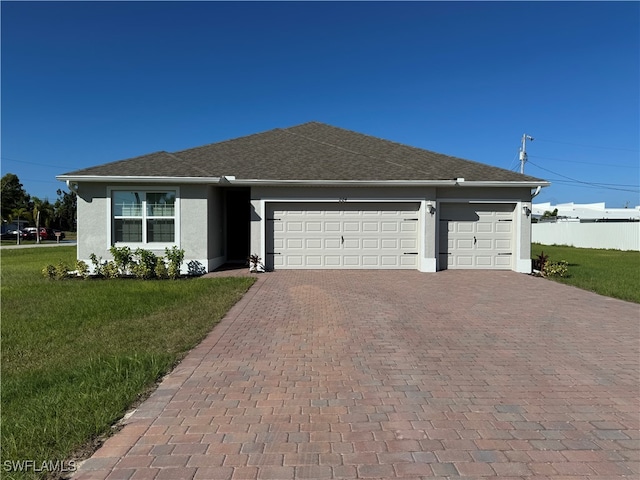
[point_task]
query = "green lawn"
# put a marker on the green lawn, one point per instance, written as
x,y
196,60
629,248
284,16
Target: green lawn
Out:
x,y
613,273
77,353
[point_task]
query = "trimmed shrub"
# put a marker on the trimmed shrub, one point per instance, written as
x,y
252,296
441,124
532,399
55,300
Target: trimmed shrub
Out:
x,y
82,269
160,269
175,257
49,271
556,269
123,258
144,265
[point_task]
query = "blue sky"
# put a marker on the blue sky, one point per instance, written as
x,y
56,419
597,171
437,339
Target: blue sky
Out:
x,y
85,83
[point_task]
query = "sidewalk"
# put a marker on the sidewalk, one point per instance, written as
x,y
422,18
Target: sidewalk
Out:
x,y
63,243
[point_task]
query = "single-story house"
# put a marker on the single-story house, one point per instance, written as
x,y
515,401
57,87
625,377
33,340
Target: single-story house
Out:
x,y
312,196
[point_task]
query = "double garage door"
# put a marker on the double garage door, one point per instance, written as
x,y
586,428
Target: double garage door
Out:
x,y
476,235
343,235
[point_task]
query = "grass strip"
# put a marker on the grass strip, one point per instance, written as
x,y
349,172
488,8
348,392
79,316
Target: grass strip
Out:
x,y
77,353
613,273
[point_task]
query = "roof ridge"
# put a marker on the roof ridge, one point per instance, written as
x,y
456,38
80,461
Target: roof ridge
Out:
x,y
228,140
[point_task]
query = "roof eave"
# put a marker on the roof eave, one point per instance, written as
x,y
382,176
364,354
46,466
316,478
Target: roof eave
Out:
x,y
343,183
136,179
276,182
498,184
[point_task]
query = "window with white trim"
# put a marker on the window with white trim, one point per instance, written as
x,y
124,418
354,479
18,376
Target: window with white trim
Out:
x,y
144,216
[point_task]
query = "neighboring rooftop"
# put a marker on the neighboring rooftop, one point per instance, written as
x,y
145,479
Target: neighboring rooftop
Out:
x,y
311,151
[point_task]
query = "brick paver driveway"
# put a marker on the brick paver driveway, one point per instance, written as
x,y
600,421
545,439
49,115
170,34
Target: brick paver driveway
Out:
x,y
399,374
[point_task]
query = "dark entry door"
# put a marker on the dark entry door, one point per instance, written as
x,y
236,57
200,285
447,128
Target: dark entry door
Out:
x,y
238,218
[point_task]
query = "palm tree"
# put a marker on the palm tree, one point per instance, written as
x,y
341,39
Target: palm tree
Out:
x,y
42,211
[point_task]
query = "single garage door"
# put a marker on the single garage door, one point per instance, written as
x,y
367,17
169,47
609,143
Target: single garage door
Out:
x,y
476,235
343,235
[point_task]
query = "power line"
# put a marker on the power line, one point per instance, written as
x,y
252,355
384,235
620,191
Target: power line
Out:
x,y
587,163
514,163
589,146
593,186
610,186
33,163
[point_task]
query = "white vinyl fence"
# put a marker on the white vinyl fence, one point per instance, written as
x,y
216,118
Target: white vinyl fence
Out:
x,y
611,235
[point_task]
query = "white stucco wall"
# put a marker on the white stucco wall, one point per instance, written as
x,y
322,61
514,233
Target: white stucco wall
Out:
x,y
92,221
194,231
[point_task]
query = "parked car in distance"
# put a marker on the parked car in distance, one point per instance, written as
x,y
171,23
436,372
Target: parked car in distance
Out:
x,y
45,233
12,235
32,233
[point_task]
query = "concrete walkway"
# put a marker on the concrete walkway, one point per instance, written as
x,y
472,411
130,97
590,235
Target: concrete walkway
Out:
x,y
396,374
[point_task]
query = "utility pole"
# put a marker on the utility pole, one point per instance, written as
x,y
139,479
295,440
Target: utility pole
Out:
x,y
523,151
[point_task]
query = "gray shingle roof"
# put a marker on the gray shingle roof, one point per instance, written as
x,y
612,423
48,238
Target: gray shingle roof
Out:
x,y
311,151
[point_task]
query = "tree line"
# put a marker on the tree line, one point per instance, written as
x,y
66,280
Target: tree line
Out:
x,y
18,204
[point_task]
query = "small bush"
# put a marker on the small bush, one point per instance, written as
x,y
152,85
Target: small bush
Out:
x,y
110,270
195,268
49,271
556,269
145,265
175,257
82,269
98,267
122,257
540,262
61,270
160,269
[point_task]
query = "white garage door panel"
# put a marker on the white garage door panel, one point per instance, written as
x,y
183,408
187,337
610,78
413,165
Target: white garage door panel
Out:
x,y
484,244
314,260
295,260
294,227
503,244
313,243
294,244
371,243
503,261
476,236
351,227
344,235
